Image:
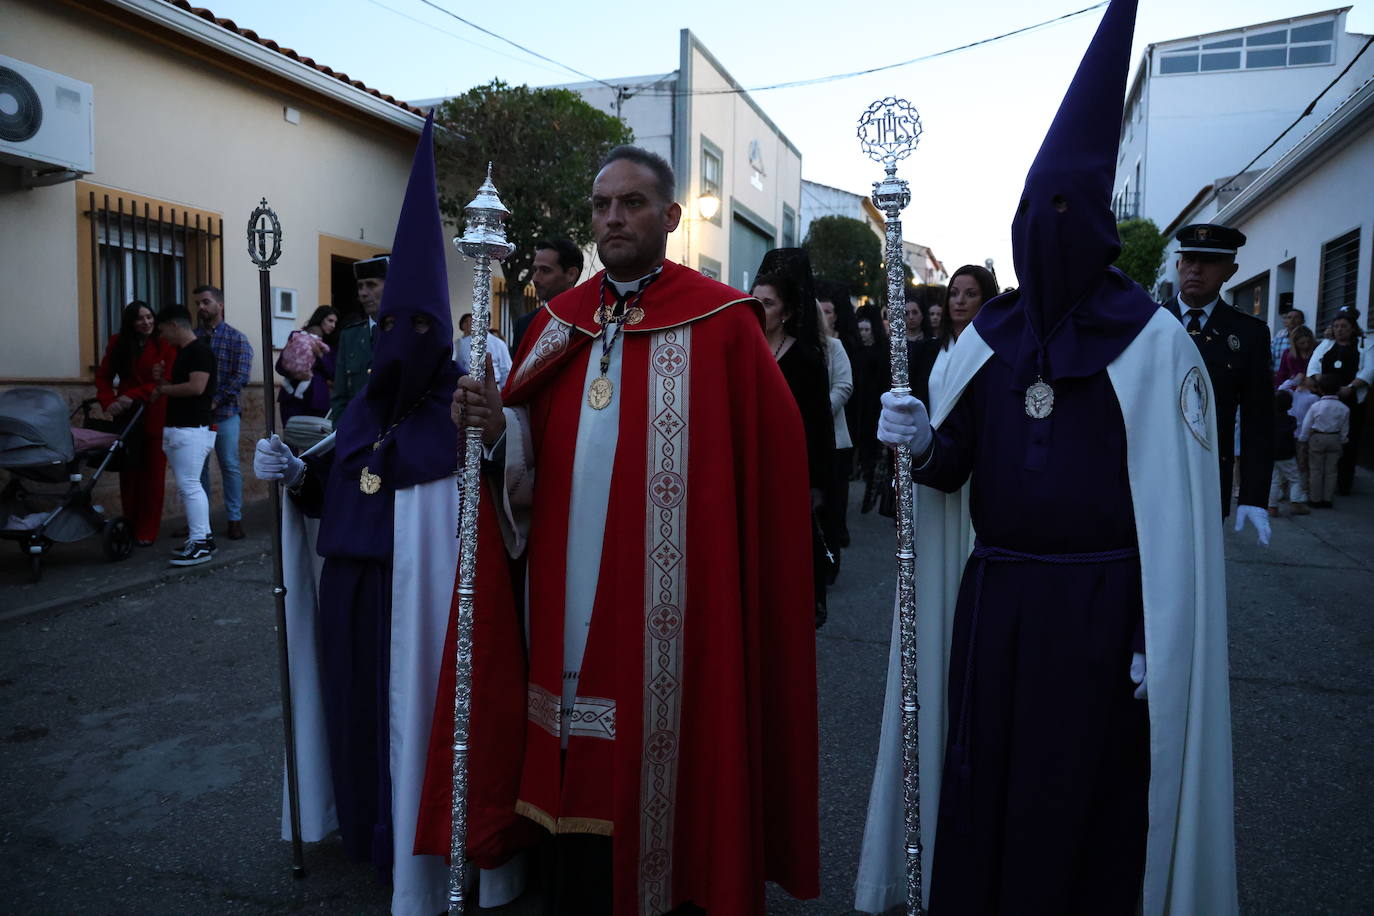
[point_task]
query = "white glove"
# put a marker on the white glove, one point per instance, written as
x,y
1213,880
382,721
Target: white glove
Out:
x,y
1257,517
904,422
272,460
1138,675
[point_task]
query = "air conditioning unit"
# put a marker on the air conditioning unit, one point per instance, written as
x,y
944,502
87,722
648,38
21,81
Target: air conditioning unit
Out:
x,y
46,123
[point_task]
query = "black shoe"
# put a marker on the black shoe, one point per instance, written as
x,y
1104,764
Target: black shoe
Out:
x,y
821,615
194,553
235,531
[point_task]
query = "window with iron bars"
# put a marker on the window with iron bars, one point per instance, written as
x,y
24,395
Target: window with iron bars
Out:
x,y
1339,277
156,253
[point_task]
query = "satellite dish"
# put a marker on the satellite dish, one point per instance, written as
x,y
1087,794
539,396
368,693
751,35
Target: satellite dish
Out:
x,y
21,113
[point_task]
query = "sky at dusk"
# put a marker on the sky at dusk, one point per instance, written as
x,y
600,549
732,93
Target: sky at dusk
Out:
x,y
985,110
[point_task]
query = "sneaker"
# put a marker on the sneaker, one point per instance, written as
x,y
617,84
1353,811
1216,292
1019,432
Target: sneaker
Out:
x,y
1301,509
1273,511
194,553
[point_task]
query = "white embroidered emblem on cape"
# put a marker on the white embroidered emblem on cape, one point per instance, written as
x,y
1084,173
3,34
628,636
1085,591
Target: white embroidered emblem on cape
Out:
x,y
1192,403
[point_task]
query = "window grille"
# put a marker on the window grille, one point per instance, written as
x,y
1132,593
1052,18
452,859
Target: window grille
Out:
x,y
156,253
1339,278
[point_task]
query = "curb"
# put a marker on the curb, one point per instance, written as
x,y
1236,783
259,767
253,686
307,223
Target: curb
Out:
x,y
162,576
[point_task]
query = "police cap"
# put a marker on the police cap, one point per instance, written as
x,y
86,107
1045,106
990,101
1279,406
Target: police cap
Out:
x,y
1207,238
372,268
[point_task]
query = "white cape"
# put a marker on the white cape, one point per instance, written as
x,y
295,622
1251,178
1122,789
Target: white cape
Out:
x,y
423,568
1169,412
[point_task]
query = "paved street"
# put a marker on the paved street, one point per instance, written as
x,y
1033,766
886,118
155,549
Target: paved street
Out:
x,y
141,737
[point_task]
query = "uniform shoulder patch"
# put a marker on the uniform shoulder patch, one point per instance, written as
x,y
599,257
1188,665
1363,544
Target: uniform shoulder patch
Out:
x,y
1193,403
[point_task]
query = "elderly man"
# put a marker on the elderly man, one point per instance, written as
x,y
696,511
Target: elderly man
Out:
x,y
670,740
1235,347
557,268
355,340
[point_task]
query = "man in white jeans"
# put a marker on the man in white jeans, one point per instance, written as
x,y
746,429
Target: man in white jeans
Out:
x,y
187,438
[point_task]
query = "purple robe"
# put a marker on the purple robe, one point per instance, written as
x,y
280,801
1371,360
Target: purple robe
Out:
x,y
1043,805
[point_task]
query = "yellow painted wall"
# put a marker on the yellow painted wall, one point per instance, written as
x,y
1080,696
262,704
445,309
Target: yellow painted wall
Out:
x,y
173,125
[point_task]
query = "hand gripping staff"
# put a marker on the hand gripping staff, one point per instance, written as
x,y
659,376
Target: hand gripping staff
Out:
x,y
264,248
483,240
888,132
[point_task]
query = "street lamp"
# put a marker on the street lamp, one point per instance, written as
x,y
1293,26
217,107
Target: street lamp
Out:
x,y
708,205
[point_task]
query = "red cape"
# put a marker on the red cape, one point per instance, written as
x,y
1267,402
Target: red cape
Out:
x,y
695,737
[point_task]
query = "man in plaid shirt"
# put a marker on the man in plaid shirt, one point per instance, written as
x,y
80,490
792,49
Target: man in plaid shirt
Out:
x,y
233,359
1292,320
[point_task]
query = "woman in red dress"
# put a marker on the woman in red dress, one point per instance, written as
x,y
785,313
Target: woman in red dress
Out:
x,y
126,376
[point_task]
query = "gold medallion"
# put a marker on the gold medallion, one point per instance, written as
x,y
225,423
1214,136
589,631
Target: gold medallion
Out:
x,y
368,482
634,316
600,393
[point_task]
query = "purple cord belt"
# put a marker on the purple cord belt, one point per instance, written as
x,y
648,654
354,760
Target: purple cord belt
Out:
x,y
983,555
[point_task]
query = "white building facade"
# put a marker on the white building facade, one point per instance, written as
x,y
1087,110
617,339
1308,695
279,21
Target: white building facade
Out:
x,y
738,175
1201,108
1308,221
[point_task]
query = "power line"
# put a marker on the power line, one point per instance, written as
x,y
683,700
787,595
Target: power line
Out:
x,y
456,36
485,31
793,84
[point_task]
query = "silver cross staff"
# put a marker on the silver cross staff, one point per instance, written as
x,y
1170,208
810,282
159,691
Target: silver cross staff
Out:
x,y
483,240
888,132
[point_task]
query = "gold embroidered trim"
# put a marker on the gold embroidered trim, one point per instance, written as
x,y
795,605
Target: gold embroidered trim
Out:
x,y
592,825
665,578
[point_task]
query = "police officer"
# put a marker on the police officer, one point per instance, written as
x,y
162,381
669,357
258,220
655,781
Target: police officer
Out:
x,y
354,359
1235,347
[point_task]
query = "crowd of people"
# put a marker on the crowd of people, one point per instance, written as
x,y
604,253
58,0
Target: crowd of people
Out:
x,y
664,482
188,379
1319,409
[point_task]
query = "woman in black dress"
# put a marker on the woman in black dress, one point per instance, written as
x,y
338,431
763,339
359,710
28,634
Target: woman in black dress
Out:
x,y
793,334
872,376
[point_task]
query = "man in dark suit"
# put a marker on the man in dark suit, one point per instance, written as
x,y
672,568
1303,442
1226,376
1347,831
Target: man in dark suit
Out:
x,y
354,359
1235,347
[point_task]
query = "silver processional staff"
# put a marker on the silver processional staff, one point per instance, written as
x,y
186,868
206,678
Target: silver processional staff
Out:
x,y
888,132
483,240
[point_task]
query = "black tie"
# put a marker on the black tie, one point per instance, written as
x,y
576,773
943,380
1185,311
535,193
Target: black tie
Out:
x,y
1195,321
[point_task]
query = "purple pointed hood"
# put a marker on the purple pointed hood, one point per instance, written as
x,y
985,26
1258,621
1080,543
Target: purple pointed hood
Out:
x,y
398,427
403,359
1074,310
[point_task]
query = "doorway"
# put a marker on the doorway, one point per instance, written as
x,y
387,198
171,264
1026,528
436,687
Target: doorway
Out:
x,y
748,245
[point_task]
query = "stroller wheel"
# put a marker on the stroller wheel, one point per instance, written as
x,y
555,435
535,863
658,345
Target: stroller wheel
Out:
x,y
35,567
117,539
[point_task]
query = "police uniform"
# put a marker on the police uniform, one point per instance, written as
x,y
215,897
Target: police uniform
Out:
x,y
353,361
1235,348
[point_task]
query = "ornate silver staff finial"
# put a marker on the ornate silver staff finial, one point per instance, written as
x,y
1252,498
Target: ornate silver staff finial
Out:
x,y
264,236
485,235
483,239
888,132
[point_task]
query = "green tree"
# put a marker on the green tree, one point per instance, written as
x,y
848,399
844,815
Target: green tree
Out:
x,y
546,145
845,250
1142,251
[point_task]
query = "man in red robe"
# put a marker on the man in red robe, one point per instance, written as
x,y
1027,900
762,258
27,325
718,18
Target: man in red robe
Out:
x,y
648,457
